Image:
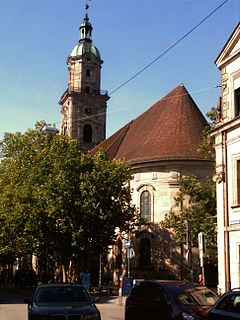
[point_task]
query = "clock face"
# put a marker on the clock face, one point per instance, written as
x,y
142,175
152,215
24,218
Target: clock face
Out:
x,y
87,111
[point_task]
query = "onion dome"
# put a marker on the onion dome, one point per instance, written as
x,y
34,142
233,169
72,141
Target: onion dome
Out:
x,y
85,44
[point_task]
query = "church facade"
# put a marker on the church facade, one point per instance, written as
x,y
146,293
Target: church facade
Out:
x,y
161,145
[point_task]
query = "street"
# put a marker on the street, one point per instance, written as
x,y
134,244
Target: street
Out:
x,y
12,306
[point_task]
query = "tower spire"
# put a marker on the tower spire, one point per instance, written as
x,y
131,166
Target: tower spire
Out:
x,y
86,27
84,101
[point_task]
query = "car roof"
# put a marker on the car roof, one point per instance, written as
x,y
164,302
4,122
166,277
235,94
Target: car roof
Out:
x,y
51,285
168,282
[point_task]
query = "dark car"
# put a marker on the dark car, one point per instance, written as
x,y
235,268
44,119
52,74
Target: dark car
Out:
x,y
25,278
62,302
168,300
227,307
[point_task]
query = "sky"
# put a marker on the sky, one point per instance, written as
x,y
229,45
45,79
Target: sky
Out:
x,y
36,37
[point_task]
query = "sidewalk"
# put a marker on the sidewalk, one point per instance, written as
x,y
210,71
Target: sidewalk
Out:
x,y
112,307
11,311
120,300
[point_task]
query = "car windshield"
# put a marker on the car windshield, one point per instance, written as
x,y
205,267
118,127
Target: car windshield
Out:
x,y
197,295
62,294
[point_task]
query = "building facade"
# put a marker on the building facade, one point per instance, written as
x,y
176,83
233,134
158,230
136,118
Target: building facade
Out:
x,y
84,104
161,146
227,146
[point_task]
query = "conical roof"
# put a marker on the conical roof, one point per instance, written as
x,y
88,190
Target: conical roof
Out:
x,y
170,129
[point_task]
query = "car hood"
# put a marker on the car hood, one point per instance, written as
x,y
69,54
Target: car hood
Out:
x,y
63,307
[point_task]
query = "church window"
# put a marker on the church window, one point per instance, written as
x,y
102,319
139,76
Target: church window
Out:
x,y
237,101
87,90
88,73
238,182
145,253
87,133
145,205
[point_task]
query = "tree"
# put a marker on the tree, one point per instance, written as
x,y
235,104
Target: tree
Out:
x,y
58,202
197,200
206,147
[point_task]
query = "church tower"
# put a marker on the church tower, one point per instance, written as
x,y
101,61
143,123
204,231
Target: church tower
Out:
x,y
84,104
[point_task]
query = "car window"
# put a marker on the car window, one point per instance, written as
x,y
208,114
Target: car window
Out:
x,y
197,295
230,303
60,294
151,292
155,294
186,298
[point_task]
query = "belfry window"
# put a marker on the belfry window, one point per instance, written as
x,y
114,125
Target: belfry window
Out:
x,y
87,133
145,205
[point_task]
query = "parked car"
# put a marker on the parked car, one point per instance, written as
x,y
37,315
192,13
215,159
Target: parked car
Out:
x,y
168,300
63,302
227,307
25,278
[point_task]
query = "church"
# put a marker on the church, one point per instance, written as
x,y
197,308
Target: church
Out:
x,y
161,145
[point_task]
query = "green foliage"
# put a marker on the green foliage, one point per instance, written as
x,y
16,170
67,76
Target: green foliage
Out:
x,y
197,202
196,198
56,201
206,147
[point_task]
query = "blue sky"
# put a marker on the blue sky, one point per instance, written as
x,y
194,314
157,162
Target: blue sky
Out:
x,y
36,37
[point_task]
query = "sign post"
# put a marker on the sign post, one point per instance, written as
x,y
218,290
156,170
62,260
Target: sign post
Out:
x,y
128,248
201,247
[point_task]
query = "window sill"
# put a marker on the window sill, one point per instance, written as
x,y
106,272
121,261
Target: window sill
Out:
x,y
233,206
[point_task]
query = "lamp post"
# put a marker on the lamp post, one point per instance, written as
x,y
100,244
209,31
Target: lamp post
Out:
x,y
100,270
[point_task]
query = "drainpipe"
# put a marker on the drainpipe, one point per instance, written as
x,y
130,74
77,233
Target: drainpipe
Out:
x,y
226,217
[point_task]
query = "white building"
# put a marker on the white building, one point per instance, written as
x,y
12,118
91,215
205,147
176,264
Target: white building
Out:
x,y
227,145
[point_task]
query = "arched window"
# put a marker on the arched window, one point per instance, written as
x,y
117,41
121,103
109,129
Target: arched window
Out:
x,y
145,205
87,133
145,253
88,73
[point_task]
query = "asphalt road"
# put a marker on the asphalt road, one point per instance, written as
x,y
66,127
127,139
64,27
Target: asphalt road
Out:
x,y
12,306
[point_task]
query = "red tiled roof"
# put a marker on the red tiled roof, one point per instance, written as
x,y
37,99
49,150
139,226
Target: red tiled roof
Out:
x,y
170,129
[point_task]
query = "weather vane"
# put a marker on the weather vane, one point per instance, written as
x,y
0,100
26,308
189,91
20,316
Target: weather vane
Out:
x,y
86,5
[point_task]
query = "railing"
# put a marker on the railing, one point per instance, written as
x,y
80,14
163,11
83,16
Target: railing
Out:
x,y
74,89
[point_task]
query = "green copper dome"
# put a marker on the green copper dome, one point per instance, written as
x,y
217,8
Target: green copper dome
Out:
x,y
85,44
85,47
